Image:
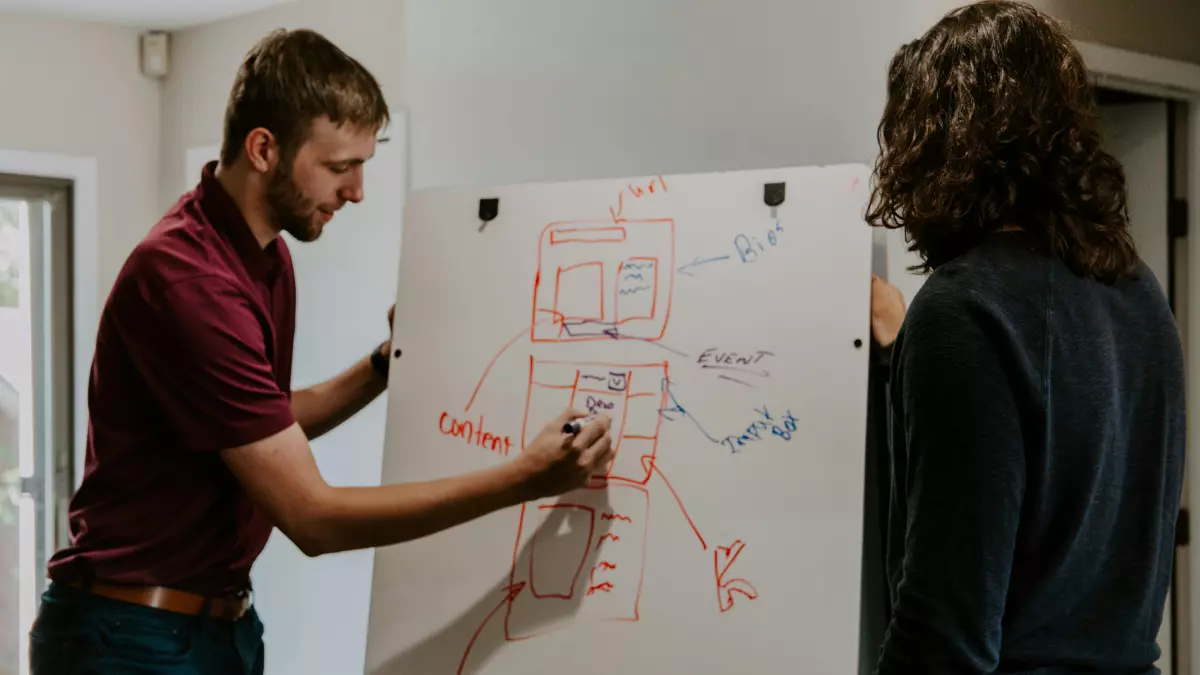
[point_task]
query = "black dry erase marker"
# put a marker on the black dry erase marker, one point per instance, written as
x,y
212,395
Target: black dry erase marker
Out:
x,y
577,425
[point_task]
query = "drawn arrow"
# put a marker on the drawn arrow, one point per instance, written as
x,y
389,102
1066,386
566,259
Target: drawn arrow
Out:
x,y
725,594
511,594
723,559
677,409
696,262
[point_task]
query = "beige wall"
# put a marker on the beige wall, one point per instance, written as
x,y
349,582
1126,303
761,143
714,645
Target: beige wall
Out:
x,y
75,89
1165,28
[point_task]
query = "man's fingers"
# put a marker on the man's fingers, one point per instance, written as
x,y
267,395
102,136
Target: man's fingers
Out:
x,y
564,417
598,454
591,433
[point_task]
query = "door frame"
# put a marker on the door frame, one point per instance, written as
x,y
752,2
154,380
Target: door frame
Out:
x,y
85,282
1180,81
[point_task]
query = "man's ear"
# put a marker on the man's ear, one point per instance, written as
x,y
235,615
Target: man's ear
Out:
x,y
262,152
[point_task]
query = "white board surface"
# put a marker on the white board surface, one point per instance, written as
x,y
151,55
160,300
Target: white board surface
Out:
x,y
721,338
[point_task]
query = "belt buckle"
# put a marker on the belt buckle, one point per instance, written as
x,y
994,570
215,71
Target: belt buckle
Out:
x,y
246,598
243,600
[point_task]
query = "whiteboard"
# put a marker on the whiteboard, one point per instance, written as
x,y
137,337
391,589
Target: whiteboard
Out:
x,y
728,342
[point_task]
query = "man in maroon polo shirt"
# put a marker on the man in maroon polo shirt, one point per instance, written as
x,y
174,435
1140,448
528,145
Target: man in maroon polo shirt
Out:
x,y
197,445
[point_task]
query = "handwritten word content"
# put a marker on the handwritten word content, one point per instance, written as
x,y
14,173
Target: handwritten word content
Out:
x,y
473,433
750,247
763,428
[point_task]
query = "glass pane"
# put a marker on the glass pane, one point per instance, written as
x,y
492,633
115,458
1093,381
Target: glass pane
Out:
x,y
16,437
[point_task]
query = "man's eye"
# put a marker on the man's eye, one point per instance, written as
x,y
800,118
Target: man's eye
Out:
x,y
339,169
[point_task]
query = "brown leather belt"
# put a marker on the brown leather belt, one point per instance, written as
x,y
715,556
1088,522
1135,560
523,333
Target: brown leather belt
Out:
x,y
230,608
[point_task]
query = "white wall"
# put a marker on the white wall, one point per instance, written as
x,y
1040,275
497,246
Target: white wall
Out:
x,y
74,89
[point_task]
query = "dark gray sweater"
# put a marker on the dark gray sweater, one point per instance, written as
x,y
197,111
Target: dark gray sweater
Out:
x,y
1037,469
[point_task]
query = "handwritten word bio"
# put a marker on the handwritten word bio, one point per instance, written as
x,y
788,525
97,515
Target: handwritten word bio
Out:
x,y
749,248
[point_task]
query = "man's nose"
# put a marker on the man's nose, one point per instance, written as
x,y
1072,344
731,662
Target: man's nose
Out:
x,y
353,193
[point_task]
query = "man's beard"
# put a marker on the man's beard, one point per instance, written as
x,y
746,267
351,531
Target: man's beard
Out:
x,y
288,207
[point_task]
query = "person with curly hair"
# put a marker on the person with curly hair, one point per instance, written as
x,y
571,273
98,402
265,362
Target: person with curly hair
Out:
x,y
1037,379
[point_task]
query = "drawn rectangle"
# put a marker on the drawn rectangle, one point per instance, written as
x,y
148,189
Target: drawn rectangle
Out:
x,y
632,395
566,538
643,416
579,292
609,584
551,387
631,462
587,235
634,285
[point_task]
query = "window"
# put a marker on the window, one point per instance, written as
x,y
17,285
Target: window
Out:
x,y
35,398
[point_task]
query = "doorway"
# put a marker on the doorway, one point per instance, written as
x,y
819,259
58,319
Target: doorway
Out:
x,y
1148,136
36,436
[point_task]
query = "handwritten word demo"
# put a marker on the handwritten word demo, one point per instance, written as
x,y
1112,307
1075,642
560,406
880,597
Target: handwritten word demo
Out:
x,y
472,433
782,427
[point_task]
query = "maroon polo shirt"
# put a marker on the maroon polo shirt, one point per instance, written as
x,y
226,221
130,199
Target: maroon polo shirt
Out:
x,y
193,355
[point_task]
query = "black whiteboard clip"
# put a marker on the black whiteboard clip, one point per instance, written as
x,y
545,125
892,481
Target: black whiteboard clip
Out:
x,y
489,207
773,196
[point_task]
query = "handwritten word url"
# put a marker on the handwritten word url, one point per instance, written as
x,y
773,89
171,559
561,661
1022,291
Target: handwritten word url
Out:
x,y
783,428
472,433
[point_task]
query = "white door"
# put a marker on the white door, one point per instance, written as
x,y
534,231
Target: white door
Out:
x,y
1138,138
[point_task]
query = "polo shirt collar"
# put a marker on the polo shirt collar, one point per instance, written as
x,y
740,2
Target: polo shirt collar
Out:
x,y
225,216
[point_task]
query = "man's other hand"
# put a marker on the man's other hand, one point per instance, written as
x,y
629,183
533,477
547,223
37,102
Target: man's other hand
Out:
x,y
887,311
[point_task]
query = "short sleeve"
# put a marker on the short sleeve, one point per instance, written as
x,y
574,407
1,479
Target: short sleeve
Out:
x,y
202,352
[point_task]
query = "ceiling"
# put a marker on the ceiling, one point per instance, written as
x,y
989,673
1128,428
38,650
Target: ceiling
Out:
x,y
158,14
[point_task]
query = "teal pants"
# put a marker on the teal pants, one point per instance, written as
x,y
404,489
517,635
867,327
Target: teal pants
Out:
x,y
77,633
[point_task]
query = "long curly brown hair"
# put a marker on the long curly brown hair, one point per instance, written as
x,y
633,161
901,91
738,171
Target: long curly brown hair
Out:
x,y
991,123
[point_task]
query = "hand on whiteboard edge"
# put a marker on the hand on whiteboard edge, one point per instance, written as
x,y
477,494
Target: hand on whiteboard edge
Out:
x,y
556,462
887,311
386,347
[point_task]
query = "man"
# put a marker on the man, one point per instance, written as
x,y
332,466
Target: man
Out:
x,y
197,445
1037,382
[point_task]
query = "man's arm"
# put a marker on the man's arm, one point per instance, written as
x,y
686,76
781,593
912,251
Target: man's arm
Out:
x,y
322,407
224,398
280,475
965,483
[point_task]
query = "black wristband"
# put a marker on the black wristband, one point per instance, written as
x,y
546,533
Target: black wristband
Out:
x,y
380,362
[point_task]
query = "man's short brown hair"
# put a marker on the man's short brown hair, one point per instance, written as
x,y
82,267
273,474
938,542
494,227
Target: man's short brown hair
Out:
x,y
291,78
